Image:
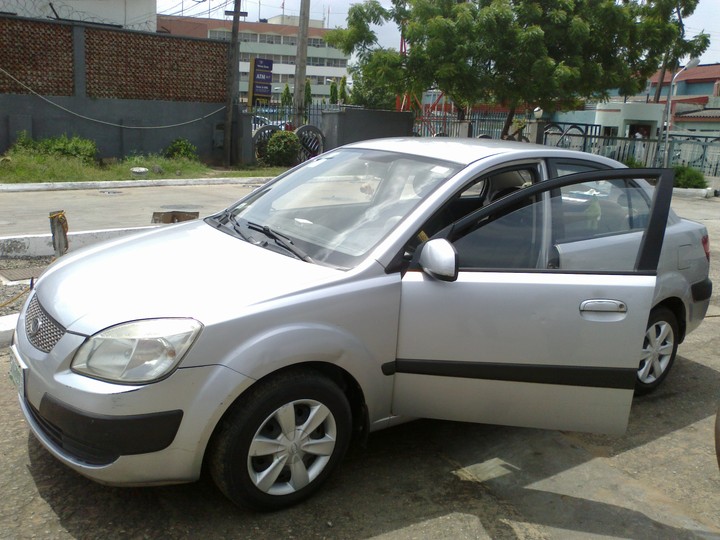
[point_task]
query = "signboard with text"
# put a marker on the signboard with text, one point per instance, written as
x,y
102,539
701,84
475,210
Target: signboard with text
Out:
x,y
260,87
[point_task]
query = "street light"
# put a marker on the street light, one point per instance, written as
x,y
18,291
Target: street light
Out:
x,y
691,64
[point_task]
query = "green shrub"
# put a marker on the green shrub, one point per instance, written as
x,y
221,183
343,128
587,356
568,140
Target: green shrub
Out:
x,y
181,148
74,147
283,149
633,163
687,177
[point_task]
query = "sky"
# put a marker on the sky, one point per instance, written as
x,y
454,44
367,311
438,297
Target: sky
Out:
x,y
706,17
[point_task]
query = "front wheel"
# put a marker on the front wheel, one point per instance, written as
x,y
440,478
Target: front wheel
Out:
x,y
659,350
281,442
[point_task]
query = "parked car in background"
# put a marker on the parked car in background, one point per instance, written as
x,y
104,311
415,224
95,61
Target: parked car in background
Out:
x,y
479,281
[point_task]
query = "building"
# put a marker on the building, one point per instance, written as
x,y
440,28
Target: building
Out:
x,y
695,107
129,14
275,40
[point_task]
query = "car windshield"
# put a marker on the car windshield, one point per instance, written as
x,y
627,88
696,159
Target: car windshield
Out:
x,y
337,207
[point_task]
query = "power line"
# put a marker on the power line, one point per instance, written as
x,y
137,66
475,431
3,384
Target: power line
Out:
x,y
88,118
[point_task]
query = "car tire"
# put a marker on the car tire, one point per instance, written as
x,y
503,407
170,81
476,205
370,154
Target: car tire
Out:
x,y
263,457
659,350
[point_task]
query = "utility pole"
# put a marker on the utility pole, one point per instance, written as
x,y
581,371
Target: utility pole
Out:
x,y
301,63
232,84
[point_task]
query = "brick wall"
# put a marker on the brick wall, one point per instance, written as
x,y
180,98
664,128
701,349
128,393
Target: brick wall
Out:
x,y
38,54
129,65
118,64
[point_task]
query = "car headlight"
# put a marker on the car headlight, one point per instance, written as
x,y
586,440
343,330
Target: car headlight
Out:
x,y
136,352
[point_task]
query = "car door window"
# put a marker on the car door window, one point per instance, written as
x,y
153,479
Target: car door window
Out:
x,y
480,192
605,207
574,228
510,240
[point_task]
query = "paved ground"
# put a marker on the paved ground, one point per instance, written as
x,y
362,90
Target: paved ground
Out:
x,y
426,479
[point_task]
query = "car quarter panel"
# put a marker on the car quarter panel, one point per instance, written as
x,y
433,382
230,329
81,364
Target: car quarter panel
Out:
x,y
351,324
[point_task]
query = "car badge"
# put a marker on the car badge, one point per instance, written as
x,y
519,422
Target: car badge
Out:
x,y
34,326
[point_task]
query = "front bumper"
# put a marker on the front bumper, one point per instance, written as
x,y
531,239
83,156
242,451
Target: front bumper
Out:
x,y
99,439
122,435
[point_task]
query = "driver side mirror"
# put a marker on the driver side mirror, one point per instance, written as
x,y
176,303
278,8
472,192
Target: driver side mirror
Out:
x,y
439,260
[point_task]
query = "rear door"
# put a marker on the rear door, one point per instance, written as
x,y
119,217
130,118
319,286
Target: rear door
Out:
x,y
520,339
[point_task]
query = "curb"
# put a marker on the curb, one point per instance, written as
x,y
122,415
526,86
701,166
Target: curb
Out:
x,y
7,327
689,193
65,186
41,245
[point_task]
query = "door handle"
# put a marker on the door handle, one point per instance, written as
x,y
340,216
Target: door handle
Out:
x,y
604,306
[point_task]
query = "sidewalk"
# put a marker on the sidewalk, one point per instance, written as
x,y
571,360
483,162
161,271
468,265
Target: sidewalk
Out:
x,y
100,210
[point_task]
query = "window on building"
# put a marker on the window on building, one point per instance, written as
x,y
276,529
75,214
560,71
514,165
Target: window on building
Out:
x,y
289,40
221,34
316,42
247,37
270,38
315,61
336,62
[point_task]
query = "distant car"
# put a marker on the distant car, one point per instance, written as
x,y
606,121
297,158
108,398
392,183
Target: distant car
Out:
x,y
259,121
460,279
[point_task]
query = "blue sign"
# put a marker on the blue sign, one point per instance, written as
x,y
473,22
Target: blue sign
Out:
x,y
263,64
263,77
260,89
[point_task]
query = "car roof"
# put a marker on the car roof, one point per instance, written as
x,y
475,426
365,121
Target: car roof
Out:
x,y
467,150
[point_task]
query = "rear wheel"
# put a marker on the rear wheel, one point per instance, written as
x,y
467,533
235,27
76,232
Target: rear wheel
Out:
x,y
659,350
281,441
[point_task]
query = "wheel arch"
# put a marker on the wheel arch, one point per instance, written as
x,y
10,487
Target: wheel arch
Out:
x,y
677,307
339,376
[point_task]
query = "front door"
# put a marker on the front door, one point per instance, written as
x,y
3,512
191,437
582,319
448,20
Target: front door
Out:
x,y
521,337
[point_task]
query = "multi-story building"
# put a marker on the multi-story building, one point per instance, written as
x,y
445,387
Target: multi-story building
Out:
x,y
275,40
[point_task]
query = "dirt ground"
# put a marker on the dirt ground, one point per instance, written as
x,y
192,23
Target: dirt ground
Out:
x,y
430,479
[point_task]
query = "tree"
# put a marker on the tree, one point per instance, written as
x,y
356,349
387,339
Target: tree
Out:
x,y
343,95
370,92
333,93
286,97
547,53
308,93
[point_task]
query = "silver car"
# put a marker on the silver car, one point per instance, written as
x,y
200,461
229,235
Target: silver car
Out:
x,y
469,280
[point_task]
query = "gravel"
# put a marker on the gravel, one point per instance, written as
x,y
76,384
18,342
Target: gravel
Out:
x,y
10,302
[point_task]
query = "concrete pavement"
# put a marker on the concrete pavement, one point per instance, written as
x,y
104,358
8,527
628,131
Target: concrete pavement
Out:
x,y
102,210
422,480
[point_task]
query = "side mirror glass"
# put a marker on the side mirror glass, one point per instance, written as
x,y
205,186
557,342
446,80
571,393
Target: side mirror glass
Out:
x,y
439,259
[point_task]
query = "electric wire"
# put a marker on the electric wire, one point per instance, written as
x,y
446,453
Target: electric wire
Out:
x,y
88,118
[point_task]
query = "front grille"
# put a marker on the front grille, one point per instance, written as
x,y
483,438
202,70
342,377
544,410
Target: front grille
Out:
x,y
42,330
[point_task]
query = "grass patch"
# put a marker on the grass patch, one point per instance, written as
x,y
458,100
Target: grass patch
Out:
x,y
20,165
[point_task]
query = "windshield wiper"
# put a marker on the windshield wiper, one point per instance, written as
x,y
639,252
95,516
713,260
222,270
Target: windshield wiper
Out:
x,y
280,239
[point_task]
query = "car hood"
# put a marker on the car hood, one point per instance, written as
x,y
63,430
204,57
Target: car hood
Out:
x,y
187,270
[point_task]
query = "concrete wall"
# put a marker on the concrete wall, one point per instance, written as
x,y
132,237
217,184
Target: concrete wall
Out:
x,y
351,125
111,123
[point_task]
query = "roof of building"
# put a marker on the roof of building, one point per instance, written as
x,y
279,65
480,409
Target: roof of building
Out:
x,y
705,113
701,73
198,27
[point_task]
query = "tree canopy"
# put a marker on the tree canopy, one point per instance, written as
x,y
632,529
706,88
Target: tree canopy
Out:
x,y
546,53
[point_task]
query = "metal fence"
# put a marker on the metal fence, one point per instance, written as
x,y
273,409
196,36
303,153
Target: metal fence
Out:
x,y
698,152
485,124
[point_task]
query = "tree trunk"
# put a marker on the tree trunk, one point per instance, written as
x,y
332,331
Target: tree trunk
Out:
x,y
508,122
661,80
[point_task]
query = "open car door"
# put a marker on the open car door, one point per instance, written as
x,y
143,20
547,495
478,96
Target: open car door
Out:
x,y
514,337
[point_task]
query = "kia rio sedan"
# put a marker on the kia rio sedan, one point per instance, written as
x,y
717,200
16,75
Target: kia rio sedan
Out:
x,y
479,281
